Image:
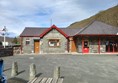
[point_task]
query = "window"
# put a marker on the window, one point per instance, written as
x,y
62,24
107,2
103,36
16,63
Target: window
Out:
x,y
27,41
54,43
86,44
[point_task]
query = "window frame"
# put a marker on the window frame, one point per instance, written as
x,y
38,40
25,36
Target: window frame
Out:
x,y
55,40
27,42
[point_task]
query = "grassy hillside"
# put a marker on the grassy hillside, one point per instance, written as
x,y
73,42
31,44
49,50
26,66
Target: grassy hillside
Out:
x,y
109,16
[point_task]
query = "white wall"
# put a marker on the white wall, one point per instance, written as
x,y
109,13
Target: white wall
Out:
x,y
6,43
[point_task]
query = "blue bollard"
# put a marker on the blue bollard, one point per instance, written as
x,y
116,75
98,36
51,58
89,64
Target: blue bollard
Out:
x,y
2,76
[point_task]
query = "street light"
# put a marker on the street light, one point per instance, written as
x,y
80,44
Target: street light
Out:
x,y
4,34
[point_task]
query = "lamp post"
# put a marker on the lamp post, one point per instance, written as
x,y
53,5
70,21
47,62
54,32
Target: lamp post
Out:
x,y
4,34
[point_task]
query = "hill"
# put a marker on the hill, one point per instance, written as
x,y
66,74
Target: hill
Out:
x,y
8,39
109,16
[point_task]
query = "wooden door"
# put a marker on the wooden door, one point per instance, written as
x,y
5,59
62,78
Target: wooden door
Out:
x,y
80,46
36,46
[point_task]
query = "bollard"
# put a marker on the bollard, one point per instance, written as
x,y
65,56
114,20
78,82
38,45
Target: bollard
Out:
x,y
56,73
14,70
32,72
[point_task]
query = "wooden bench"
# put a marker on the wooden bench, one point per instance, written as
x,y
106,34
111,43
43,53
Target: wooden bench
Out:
x,y
46,80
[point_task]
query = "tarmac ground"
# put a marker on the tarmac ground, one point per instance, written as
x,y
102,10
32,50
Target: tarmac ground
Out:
x,y
74,68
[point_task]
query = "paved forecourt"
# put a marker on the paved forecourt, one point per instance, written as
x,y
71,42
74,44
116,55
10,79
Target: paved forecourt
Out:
x,y
74,68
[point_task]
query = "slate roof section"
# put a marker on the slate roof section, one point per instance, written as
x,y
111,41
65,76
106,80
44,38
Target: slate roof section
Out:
x,y
98,27
33,31
36,31
70,32
94,28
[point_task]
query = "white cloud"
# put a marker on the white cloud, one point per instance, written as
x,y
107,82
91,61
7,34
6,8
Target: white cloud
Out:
x,y
17,14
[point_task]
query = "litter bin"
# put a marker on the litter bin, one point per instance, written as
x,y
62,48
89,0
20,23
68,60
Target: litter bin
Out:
x,y
2,76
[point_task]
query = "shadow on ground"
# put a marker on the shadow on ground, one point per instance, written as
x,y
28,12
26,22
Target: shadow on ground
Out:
x,y
16,80
39,74
7,69
21,72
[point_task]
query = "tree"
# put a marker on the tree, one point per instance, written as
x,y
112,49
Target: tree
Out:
x,y
15,41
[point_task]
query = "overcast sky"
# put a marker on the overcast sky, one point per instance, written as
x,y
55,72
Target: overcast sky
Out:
x,y
18,14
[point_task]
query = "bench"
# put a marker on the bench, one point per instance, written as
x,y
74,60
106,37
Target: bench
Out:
x,y
46,80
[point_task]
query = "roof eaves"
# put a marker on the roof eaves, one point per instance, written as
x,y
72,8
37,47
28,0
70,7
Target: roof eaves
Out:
x,y
53,27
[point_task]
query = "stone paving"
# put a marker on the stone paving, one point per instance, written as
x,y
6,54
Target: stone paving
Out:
x,y
74,68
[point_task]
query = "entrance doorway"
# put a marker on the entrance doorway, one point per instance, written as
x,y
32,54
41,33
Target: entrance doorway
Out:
x,y
111,46
86,46
36,46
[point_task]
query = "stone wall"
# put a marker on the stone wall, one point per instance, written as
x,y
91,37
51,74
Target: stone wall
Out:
x,y
53,34
93,46
79,45
29,48
8,51
103,46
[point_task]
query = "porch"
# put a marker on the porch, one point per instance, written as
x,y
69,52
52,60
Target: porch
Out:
x,y
96,44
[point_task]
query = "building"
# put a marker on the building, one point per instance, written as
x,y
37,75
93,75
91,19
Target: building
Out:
x,y
8,41
97,37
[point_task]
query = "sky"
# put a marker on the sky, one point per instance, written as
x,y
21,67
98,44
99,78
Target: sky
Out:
x,y
18,14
